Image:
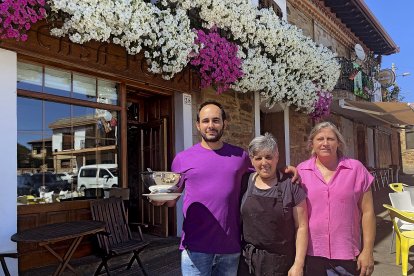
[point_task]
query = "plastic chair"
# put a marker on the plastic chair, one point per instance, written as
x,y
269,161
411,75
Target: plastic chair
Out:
x,y
401,201
397,187
405,239
410,189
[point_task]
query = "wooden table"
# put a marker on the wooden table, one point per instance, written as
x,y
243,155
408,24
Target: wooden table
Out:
x,y
52,233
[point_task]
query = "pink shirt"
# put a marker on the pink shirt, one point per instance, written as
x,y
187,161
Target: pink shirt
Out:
x,y
334,215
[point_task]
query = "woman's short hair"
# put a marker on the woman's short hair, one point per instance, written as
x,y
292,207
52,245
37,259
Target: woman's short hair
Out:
x,y
264,142
317,128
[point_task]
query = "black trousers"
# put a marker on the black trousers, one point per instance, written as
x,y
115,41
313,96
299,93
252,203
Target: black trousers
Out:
x,y
320,266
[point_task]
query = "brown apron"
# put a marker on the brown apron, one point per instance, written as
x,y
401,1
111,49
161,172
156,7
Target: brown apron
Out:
x,y
268,234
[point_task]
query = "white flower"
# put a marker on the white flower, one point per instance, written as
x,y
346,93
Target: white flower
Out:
x,y
278,60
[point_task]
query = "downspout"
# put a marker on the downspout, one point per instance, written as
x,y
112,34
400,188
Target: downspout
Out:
x,y
287,133
256,114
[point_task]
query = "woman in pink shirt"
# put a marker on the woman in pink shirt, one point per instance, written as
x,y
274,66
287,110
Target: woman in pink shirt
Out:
x,y
339,205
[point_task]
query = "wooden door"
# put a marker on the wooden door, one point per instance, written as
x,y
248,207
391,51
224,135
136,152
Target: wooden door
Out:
x,y
149,146
361,146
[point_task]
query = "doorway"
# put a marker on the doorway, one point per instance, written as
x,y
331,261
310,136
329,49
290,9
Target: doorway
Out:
x,y
149,145
362,152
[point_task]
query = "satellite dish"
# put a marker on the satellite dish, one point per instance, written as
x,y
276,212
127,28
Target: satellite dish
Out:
x,y
359,51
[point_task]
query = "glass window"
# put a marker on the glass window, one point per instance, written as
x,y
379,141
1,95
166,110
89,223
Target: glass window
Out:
x,y
55,139
84,87
104,172
88,173
38,78
57,82
29,76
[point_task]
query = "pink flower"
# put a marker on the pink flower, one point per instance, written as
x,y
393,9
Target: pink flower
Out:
x,y
217,61
16,17
322,106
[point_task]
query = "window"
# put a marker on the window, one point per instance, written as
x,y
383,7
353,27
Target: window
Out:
x,y
103,172
37,78
88,173
65,120
409,139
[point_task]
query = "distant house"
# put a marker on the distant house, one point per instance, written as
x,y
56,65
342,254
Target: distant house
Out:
x,y
41,155
83,140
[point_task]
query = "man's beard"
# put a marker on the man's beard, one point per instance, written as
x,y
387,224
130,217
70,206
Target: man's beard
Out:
x,y
213,139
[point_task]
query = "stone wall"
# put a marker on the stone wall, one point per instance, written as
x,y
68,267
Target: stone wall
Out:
x,y
273,122
240,115
314,30
300,20
300,127
407,155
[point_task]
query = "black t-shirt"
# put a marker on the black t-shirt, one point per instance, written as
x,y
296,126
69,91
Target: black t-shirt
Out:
x,y
293,194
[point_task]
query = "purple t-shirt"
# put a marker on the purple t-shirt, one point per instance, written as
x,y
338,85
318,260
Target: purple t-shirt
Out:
x,y
211,208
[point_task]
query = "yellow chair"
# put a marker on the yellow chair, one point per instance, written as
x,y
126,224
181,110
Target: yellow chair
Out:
x,y
404,239
397,187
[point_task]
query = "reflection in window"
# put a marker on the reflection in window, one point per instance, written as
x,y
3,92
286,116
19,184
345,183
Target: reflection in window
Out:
x,y
84,87
29,76
55,140
57,82
65,83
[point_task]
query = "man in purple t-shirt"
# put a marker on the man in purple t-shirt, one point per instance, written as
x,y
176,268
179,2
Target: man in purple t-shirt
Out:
x,y
212,176
213,169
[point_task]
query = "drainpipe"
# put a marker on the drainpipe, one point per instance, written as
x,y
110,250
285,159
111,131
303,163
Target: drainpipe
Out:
x,y
287,132
256,114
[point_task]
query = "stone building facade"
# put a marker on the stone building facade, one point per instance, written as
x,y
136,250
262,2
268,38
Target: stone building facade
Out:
x,y
374,145
239,109
407,154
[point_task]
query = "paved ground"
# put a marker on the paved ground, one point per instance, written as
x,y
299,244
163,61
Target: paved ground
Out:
x,y
163,258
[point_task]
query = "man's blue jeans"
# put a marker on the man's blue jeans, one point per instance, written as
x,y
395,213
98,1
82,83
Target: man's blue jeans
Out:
x,y
203,264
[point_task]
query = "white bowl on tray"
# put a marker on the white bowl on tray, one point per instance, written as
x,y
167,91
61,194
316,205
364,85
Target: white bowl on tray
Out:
x,y
161,184
162,189
160,178
162,196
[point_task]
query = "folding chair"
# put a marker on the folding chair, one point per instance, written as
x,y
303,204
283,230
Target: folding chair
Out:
x,y
3,261
117,240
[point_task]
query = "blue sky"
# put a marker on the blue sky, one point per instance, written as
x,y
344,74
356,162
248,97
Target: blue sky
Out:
x,y
397,18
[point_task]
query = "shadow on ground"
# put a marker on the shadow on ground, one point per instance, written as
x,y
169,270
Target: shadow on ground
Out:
x,y
161,257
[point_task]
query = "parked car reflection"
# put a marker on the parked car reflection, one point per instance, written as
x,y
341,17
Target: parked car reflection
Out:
x,y
67,176
24,185
53,182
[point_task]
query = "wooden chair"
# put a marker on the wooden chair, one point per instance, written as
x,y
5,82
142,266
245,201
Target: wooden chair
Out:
x,y
3,261
117,240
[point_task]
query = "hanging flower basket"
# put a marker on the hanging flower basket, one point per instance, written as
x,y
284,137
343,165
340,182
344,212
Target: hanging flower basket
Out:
x,y
217,61
322,107
17,16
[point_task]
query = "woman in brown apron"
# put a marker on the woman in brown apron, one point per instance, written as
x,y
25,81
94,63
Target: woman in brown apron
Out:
x,y
274,217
